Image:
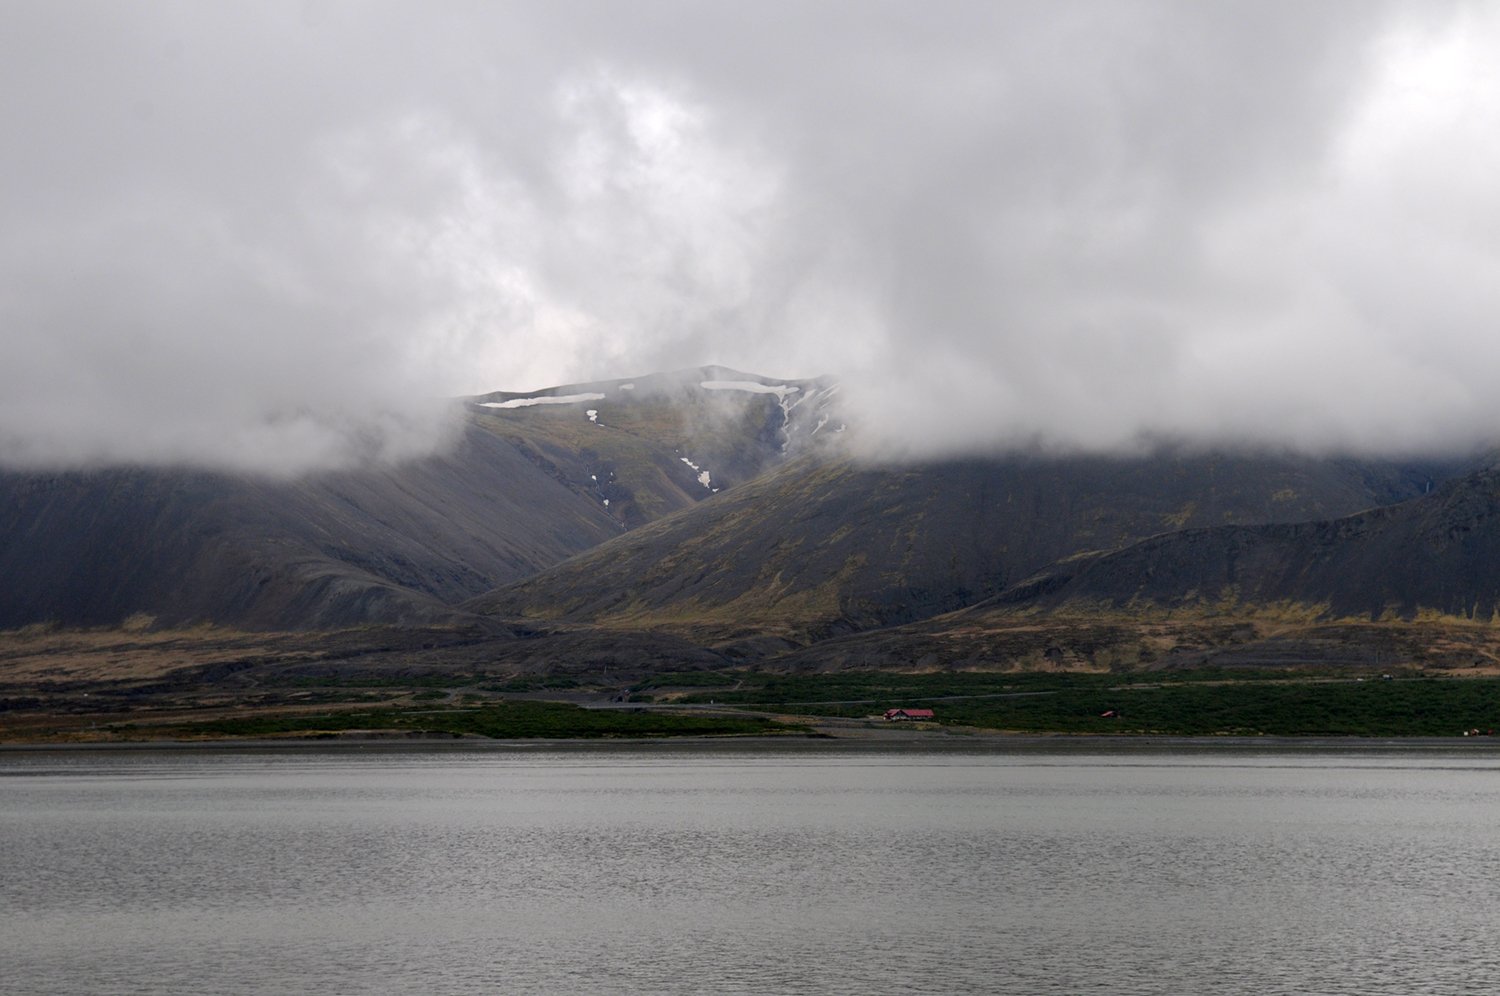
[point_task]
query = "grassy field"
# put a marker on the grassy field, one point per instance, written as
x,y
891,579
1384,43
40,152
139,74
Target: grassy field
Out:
x,y
119,685
1366,709
495,719
1206,703
498,720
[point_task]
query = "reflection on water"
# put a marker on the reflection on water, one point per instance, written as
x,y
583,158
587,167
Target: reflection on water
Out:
x,y
738,870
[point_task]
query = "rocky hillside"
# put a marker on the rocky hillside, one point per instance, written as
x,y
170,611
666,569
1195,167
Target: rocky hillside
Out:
x,y
826,546
1413,584
643,447
535,479
1435,555
718,508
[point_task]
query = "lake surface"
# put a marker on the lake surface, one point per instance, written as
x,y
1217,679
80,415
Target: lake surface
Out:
x,y
691,869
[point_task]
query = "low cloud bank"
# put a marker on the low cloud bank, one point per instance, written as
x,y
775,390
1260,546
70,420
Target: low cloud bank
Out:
x,y
238,238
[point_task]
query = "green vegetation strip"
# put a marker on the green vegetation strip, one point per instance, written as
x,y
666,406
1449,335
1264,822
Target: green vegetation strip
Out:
x,y
1347,708
693,679
1204,703
505,720
443,681
772,689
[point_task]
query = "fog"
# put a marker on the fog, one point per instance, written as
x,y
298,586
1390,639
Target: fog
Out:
x,y
277,236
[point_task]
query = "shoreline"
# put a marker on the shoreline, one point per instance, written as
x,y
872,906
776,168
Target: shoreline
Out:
x,y
997,743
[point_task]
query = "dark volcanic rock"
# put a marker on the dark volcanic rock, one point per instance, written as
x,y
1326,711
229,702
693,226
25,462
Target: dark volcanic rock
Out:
x,y
1439,553
528,486
387,545
821,547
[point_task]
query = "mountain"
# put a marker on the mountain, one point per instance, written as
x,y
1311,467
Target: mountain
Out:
x,y
1438,555
824,546
709,512
647,446
93,548
534,478
1416,582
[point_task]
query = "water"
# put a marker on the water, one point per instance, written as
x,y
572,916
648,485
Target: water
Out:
x,y
695,870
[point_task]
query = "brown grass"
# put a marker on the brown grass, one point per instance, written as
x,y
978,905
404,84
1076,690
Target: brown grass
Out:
x,y
42,656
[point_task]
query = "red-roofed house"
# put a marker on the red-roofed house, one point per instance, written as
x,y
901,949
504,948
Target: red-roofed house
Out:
x,y
900,715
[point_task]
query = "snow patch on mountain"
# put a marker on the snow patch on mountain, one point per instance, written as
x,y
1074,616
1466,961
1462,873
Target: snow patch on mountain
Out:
x,y
551,399
788,396
703,476
754,387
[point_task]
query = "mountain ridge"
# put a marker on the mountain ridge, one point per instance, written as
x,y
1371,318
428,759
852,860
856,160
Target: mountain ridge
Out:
x,y
521,489
1439,553
716,516
823,547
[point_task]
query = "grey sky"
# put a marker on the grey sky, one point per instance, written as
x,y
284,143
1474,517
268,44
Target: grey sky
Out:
x,y
270,235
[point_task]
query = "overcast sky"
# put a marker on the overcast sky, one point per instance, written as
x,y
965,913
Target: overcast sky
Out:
x,y
274,234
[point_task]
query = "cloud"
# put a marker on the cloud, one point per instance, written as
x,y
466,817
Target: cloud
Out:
x,y
275,236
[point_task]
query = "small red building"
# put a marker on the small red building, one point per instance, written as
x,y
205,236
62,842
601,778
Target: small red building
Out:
x,y
902,715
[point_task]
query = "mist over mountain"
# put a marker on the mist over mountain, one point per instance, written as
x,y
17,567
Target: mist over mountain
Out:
x,y
534,478
1085,227
710,517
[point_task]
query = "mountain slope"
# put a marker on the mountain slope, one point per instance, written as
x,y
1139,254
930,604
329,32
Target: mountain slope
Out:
x,y
650,445
710,502
1436,555
1415,584
388,545
827,546
528,485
